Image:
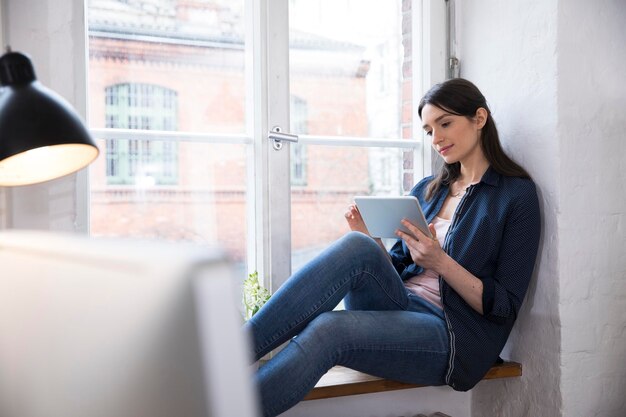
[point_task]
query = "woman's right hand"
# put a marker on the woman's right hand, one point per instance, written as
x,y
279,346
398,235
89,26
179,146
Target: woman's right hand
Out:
x,y
355,221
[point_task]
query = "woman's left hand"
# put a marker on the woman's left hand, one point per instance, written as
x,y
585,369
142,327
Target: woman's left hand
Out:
x,y
425,251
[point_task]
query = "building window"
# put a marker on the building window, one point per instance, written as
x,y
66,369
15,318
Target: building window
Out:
x,y
145,107
299,117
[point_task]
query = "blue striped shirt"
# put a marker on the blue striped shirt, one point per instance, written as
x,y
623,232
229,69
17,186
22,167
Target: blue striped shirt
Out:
x,y
495,236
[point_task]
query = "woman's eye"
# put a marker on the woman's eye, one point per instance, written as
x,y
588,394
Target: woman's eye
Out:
x,y
429,133
445,124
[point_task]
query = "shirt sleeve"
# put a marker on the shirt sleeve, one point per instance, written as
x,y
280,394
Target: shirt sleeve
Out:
x,y
504,292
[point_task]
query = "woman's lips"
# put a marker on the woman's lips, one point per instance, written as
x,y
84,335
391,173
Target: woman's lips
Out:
x,y
445,149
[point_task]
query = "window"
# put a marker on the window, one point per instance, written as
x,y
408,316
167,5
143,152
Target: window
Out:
x,y
182,96
147,107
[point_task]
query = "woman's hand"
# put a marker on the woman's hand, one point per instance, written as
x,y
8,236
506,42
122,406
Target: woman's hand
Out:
x,y
356,223
425,251
354,219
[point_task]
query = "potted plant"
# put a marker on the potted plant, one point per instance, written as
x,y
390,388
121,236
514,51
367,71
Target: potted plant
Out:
x,y
254,295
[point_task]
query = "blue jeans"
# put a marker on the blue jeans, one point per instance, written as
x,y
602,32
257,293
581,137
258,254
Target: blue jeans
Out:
x,y
385,330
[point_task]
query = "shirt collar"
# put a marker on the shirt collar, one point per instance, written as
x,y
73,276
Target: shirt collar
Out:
x,y
491,177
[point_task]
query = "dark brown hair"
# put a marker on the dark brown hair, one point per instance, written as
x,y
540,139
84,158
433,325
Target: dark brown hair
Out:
x,y
462,98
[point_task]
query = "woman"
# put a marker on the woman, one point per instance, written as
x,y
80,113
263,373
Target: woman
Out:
x,y
432,311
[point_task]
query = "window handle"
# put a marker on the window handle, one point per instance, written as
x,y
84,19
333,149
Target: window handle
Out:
x,y
277,136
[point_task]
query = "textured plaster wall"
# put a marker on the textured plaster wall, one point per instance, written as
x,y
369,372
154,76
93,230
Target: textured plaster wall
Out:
x,y
509,49
592,224
553,72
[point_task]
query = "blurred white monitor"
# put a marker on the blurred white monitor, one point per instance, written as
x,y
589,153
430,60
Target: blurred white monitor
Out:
x,y
118,328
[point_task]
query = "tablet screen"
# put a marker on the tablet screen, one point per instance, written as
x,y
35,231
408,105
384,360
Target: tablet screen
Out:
x,y
383,215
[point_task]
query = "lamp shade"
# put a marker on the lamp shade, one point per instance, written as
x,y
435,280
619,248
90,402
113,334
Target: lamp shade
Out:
x,y
41,136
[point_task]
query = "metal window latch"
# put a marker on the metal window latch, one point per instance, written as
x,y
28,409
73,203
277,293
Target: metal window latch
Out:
x,y
454,67
277,137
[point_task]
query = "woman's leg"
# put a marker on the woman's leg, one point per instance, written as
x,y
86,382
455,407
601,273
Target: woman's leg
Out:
x,y
408,346
355,264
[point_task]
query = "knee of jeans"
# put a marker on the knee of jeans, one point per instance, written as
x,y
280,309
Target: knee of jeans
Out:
x,y
326,332
360,241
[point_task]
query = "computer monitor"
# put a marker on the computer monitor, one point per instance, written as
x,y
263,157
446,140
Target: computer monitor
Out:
x,y
95,327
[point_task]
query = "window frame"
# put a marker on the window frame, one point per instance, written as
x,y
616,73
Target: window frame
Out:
x,y
267,105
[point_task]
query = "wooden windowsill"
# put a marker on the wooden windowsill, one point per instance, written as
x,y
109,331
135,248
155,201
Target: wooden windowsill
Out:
x,y
340,381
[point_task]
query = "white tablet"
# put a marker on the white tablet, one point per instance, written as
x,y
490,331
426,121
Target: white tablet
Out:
x,y
383,215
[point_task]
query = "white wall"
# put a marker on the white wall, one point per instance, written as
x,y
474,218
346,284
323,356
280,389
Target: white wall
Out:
x,y
553,72
52,34
509,50
592,226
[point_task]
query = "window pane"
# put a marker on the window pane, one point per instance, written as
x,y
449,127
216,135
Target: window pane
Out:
x,y
336,175
350,75
204,206
347,62
167,65
181,55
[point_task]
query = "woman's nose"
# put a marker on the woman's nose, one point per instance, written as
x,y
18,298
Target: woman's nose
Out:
x,y
436,136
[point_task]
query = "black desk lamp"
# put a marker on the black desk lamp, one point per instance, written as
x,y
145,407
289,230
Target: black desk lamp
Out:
x,y
41,137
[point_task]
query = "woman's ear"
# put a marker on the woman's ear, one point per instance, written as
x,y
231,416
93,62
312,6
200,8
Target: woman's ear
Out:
x,y
481,117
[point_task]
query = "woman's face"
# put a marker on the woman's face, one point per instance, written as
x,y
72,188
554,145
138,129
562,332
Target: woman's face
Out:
x,y
456,138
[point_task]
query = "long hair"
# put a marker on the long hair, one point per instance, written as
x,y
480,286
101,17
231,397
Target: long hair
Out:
x,y
462,98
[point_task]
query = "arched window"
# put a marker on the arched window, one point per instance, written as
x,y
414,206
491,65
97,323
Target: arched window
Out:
x,y
146,107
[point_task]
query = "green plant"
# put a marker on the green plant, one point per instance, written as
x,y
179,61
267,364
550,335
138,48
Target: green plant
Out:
x,y
254,295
